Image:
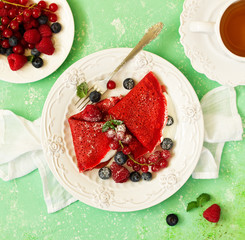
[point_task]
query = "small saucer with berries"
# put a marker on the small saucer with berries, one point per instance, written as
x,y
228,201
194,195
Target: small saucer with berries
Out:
x,y
34,38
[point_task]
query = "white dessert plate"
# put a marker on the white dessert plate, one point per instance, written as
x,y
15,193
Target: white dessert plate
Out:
x,y
187,132
203,50
62,43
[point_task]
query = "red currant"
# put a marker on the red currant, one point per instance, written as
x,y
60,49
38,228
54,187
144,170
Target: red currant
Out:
x,y
24,43
52,17
20,18
130,162
42,4
155,168
12,13
23,2
53,7
14,25
5,20
144,168
163,163
7,33
35,23
126,150
1,5
31,46
153,158
114,145
27,13
142,160
7,6
36,12
18,49
111,84
136,167
18,35
2,27
165,154
5,43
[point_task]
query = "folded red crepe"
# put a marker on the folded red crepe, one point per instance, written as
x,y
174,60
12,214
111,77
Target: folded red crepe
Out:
x,y
143,110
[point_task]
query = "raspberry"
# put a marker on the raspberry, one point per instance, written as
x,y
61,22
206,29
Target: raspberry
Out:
x,y
32,36
45,30
16,61
45,46
120,174
212,214
91,113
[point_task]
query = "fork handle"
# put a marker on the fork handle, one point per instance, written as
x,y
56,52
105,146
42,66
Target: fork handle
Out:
x,y
150,35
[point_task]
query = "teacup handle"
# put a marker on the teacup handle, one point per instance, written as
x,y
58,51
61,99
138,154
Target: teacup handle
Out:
x,y
202,27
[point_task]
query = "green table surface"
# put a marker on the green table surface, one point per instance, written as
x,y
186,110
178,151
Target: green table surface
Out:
x,y
100,25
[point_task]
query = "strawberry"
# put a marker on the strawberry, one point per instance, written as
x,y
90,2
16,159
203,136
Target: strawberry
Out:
x,y
45,46
32,36
16,61
212,214
91,113
120,174
45,30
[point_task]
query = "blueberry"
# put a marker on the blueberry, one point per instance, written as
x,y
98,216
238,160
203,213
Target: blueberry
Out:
x,y
105,173
35,52
135,176
94,96
128,83
147,176
170,121
42,19
9,51
167,144
172,219
55,27
13,41
120,158
2,50
37,62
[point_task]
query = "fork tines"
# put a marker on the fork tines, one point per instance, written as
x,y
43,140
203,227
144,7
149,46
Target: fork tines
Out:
x,y
83,102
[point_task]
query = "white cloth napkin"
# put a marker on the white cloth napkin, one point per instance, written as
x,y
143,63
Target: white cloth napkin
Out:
x,y
21,151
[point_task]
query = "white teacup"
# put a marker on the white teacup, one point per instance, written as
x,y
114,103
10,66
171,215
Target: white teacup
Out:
x,y
231,38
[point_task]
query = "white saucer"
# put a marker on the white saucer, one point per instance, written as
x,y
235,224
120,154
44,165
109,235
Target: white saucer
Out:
x,y
203,50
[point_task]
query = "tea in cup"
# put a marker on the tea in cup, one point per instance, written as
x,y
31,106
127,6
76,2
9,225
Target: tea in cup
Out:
x,y
229,29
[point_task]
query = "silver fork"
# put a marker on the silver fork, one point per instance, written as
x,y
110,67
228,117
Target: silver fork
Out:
x,y
100,85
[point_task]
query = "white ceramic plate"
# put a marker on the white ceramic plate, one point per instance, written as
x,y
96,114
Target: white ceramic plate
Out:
x,y
62,43
203,50
106,194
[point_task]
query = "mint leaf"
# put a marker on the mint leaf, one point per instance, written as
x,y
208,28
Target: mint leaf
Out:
x,y
106,126
204,197
82,90
191,205
116,122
